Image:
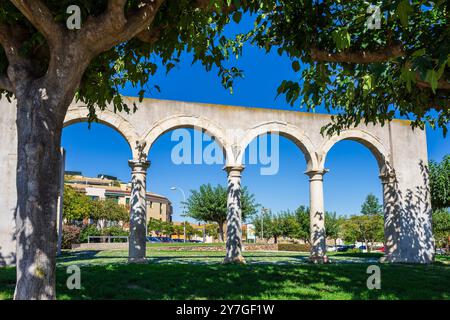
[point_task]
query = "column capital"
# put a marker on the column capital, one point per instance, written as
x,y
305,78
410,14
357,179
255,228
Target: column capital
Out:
x,y
234,170
316,174
139,165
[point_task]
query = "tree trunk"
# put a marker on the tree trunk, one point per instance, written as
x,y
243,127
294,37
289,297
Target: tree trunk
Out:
x,y
275,239
221,235
39,140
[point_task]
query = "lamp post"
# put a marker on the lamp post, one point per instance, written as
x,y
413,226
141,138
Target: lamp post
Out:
x,y
184,203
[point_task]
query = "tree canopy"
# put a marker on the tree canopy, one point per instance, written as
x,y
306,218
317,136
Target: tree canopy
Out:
x,y
372,206
440,183
366,73
363,71
78,206
209,204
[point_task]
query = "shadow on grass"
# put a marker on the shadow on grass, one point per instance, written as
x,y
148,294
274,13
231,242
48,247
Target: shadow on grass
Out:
x,y
185,281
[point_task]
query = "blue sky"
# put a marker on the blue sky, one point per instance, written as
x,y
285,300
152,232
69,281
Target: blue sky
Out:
x,y
353,169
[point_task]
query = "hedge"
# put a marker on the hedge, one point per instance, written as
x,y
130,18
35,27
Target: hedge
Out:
x,y
294,247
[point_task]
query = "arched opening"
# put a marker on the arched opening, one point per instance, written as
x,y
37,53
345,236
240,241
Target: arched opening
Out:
x,y
353,192
183,158
275,165
97,191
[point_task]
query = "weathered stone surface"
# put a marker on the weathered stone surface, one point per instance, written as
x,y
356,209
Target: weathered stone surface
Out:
x,y
400,152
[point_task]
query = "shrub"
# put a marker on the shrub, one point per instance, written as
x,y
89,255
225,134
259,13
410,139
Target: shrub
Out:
x,y
294,247
71,235
115,231
89,230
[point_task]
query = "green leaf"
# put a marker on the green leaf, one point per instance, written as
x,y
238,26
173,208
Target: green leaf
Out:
x,y
404,9
341,38
237,16
296,66
432,78
367,84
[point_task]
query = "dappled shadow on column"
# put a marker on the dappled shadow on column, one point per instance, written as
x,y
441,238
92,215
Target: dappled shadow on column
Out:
x,y
318,236
138,211
234,233
408,229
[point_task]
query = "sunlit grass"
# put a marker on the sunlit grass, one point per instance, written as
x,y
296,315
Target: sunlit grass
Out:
x,y
268,275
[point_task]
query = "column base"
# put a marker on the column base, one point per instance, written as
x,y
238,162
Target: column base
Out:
x,y
236,260
318,259
137,260
399,260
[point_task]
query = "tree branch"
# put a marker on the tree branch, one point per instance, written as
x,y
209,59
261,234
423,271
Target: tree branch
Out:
x,y
442,84
115,26
151,35
41,17
359,57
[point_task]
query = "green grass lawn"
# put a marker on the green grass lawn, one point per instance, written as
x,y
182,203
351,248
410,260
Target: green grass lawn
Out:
x,y
268,275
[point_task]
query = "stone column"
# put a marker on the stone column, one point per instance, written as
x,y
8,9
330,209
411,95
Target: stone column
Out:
x,y
407,223
317,216
138,211
234,216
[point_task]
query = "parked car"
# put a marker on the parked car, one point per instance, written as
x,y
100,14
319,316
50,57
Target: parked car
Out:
x,y
440,251
165,239
363,248
345,248
153,240
195,241
178,240
331,248
380,249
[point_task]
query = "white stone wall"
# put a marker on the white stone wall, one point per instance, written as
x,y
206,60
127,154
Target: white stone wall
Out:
x,y
8,159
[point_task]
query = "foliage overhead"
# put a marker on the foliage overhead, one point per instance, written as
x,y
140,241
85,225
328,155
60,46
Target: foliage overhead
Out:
x,y
365,74
194,26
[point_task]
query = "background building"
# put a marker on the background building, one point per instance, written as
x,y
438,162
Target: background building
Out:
x,y
108,187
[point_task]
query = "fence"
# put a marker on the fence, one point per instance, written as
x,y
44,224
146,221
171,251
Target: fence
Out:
x,y
107,238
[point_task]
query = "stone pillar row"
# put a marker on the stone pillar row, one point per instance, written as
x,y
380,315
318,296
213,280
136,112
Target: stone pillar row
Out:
x,y
138,214
138,211
317,216
234,216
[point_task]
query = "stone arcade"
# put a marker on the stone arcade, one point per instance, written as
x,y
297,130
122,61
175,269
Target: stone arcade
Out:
x,y
401,154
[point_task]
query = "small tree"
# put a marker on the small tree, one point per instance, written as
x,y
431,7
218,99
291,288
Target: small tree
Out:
x,y
441,227
440,183
332,226
76,205
364,228
156,226
178,230
371,206
103,211
209,204
212,230
303,224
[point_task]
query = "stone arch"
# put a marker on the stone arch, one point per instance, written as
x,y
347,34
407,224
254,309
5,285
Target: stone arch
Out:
x,y
108,118
367,139
286,130
186,121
